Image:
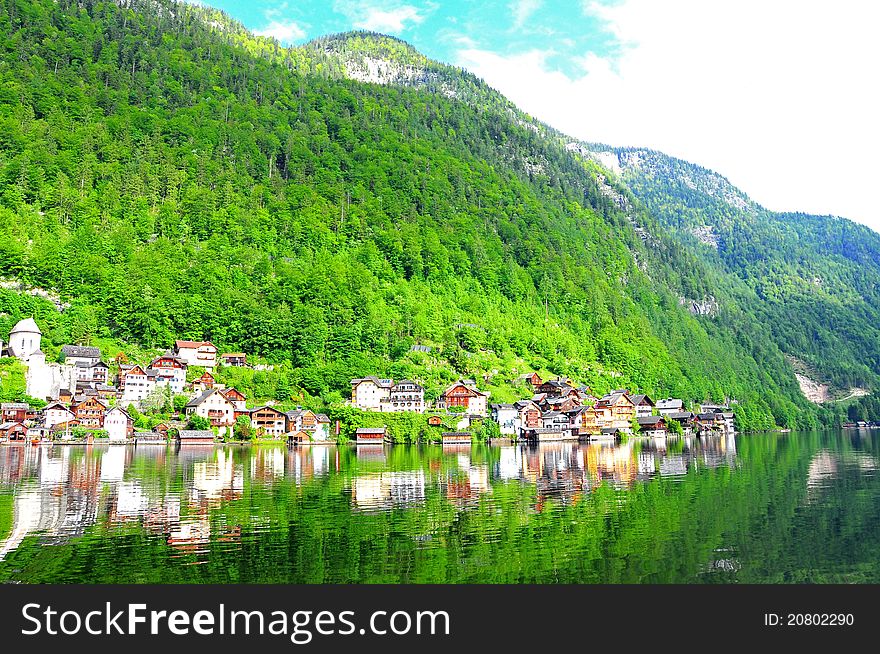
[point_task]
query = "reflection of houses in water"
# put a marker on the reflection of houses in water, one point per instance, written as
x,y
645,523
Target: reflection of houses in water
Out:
x,y
615,463
560,472
465,483
267,464
510,463
219,479
387,490
370,452
305,463
673,465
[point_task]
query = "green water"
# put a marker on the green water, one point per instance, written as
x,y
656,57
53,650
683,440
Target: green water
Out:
x,y
799,507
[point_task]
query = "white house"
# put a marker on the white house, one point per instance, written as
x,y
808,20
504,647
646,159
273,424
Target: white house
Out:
x,y
669,405
118,424
84,354
405,395
370,393
170,369
136,383
197,353
56,414
507,417
214,406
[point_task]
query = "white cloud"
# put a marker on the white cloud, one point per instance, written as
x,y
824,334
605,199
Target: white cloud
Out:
x,y
776,96
522,10
286,32
393,21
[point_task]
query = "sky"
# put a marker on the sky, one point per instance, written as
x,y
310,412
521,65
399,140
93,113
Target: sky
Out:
x,y
779,96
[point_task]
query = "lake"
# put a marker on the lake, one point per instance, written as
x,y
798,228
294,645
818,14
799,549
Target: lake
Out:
x,y
765,508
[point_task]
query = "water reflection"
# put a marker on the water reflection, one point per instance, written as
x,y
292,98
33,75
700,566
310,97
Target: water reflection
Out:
x,y
200,501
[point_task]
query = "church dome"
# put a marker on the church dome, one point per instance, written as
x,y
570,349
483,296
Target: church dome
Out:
x,y
26,326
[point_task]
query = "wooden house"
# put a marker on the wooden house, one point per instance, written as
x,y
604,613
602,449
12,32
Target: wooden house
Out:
x,y
235,396
620,410
13,431
652,425
195,436
90,412
203,383
464,394
236,359
531,378
455,437
14,411
269,421
435,421
371,435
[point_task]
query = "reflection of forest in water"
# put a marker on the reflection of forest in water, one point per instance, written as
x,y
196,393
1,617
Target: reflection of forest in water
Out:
x,y
693,503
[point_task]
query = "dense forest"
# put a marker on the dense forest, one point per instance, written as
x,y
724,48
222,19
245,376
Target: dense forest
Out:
x,y
169,175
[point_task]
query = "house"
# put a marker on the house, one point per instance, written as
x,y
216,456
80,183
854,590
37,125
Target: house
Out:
x,y
618,410
63,429
464,394
14,411
555,420
170,369
316,425
214,406
136,383
13,431
195,436
531,378
652,425
405,395
89,411
709,421
76,354
369,393
236,359
611,432
56,413
106,391
529,415
203,383
269,421
118,424
684,418
542,435
235,396
197,353
713,408
507,417
370,435
556,388
89,374
644,405
435,421
578,420
453,437
669,405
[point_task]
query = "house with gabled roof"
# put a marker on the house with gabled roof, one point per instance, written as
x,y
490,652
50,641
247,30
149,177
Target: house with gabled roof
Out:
x,y
369,393
118,424
269,421
644,405
214,406
197,353
465,395
170,369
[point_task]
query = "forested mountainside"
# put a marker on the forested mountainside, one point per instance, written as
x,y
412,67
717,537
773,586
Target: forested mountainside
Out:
x,y
814,280
169,175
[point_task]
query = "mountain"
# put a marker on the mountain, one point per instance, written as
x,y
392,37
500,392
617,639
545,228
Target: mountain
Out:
x,y
815,280
169,175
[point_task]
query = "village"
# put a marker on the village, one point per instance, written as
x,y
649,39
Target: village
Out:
x,y
84,403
